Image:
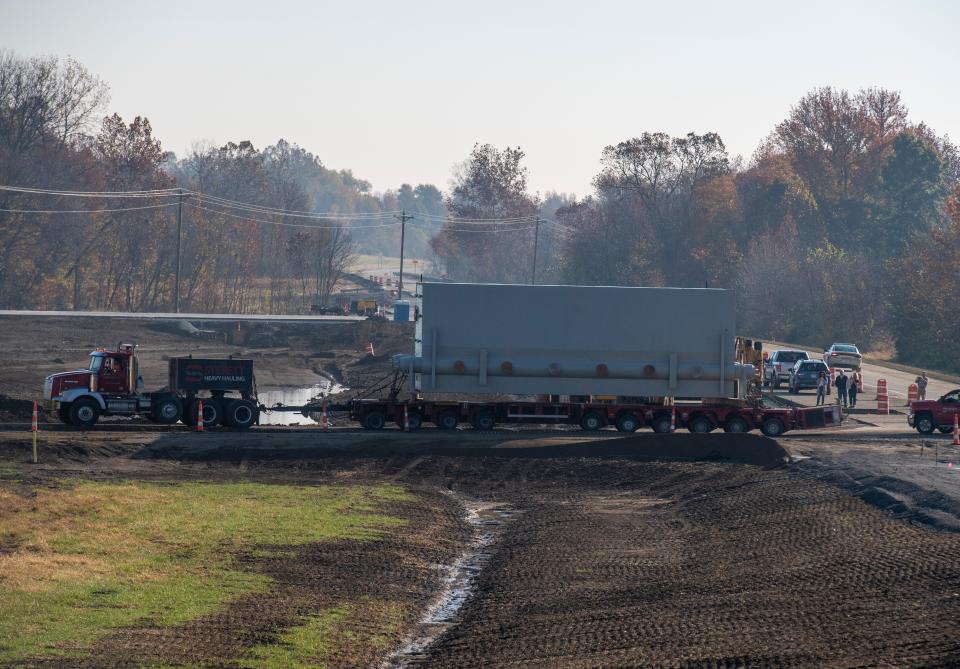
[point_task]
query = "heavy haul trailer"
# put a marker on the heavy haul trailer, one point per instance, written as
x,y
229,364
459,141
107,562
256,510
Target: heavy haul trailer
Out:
x,y
651,345
703,416
111,386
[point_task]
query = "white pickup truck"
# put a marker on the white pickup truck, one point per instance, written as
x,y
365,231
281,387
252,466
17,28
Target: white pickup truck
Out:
x,y
776,369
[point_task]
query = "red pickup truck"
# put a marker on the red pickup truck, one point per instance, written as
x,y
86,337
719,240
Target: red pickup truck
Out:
x,y
930,415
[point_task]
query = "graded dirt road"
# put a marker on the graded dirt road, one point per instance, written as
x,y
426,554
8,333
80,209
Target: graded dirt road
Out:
x,y
648,551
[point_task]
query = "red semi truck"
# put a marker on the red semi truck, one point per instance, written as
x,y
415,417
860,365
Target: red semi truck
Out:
x,y
111,385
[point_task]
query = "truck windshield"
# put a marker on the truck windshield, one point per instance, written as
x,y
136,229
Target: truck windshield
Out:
x,y
96,361
791,356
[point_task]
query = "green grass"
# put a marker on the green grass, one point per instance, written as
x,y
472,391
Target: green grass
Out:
x,y
98,556
311,644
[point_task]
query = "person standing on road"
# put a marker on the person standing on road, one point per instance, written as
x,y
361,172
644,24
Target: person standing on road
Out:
x,y
841,384
922,386
857,379
852,390
822,384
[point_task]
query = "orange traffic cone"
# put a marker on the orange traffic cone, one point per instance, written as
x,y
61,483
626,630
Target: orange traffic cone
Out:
x,y
199,415
956,431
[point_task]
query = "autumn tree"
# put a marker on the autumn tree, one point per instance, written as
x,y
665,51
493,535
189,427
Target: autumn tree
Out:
x,y
490,186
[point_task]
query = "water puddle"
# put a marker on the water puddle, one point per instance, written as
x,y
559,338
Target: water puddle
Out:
x,y
487,520
294,397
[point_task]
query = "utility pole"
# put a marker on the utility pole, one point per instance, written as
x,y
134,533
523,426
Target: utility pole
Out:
x,y
403,218
176,283
536,239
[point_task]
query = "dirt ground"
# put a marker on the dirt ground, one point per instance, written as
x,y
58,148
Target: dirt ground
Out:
x,y
652,550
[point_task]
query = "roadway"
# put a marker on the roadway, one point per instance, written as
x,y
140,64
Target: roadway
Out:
x,y
897,386
172,316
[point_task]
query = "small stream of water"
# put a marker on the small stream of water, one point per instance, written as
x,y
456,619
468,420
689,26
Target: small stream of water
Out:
x,y
487,520
293,397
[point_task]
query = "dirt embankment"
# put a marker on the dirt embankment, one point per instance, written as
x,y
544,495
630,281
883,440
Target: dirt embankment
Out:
x,y
613,556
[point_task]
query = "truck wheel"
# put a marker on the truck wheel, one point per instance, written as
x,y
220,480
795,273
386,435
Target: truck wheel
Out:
x,y
484,420
414,420
448,420
167,410
375,420
212,413
925,424
945,430
84,412
772,427
628,422
64,414
241,414
736,424
661,424
700,425
591,421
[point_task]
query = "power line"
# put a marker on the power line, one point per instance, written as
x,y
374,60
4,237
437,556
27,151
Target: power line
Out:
x,y
86,211
528,227
289,225
479,221
166,192
225,203
262,209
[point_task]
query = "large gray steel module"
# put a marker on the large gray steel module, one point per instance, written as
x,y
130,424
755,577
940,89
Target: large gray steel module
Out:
x,y
576,340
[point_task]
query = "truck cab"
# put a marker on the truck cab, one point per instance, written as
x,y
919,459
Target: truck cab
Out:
x,y
929,415
108,384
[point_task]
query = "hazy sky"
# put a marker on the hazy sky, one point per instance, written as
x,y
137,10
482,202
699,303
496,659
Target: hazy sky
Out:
x,y
400,91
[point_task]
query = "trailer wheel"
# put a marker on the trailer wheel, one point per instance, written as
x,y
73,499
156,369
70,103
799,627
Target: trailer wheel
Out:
x,y
448,420
591,421
241,414
700,424
167,410
628,422
661,424
414,420
84,412
375,420
212,412
63,413
772,427
736,424
484,420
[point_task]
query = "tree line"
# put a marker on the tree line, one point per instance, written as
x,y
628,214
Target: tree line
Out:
x,y
843,225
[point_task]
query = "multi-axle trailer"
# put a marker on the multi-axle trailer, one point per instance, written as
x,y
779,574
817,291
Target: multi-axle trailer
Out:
x,y
699,416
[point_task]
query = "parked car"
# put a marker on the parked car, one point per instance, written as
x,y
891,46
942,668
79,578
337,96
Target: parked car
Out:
x,y
929,415
779,365
805,374
843,355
